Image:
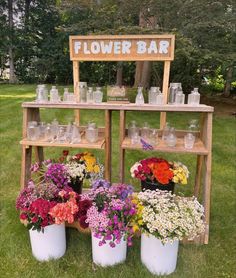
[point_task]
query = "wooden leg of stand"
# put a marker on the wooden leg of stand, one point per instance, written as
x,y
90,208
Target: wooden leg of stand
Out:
x,y
198,177
39,154
122,151
108,145
25,165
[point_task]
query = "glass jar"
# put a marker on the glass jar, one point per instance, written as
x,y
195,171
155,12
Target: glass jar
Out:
x,y
132,128
189,140
153,137
98,95
91,133
194,97
160,97
152,95
173,89
139,100
54,97
165,131
179,98
41,94
82,93
171,139
145,131
75,134
65,94
90,95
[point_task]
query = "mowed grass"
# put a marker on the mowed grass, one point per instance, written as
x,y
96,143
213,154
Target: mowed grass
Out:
x,y
217,259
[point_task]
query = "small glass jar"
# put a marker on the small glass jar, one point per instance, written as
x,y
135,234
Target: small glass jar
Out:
x,y
153,137
171,139
145,131
41,94
65,94
90,95
33,131
165,131
132,128
179,98
152,95
189,140
139,100
75,134
160,97
98,95
135,139
91,133
54,97
83,93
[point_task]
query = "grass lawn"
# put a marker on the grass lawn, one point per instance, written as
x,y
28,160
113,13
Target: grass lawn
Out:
x,y
217,259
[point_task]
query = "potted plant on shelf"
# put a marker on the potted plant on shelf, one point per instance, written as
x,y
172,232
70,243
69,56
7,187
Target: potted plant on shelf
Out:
x,y
81,166
44,208
158,173
109,219
164,219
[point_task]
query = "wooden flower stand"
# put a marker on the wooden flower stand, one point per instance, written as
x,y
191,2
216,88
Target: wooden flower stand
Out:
x,y
126,47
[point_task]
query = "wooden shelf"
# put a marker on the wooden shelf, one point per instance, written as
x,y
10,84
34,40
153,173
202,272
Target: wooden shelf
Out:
x,y
100,144
162,147
123,106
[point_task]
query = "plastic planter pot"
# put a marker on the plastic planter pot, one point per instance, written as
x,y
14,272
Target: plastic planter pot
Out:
x,y
50,244
159,258
106,255
154,185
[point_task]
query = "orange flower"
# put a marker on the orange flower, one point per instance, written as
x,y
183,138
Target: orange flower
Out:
x,y
161,172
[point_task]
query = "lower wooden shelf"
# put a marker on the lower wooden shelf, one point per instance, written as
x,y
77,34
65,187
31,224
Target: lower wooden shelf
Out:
x,y
100,144
198,148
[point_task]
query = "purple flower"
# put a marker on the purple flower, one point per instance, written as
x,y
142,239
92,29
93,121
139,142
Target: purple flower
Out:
x,y
100,183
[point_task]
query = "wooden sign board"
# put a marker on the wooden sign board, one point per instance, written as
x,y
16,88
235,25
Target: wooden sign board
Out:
x,y
122,48
117,94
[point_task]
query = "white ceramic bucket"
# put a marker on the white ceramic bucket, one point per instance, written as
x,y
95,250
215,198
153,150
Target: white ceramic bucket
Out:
x,y
105,255
50,244
158,258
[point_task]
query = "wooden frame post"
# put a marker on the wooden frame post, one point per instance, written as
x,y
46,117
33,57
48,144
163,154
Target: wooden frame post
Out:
x,y
166,76
108,144
122,151
76,88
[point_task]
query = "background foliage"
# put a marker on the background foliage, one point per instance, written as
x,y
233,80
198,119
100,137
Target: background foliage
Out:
x,y
205,38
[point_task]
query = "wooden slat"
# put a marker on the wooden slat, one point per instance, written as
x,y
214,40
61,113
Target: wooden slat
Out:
x,y
76,88
119,106
121,139
108,145
162,147
165,85
207,136
25,165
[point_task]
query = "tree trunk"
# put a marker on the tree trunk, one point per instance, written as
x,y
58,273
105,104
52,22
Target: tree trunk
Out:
x,y
12,77
229,76
119,74
143,69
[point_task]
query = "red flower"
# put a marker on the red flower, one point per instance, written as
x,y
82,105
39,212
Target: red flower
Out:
x,y
82,222
34,219
65,152
23,216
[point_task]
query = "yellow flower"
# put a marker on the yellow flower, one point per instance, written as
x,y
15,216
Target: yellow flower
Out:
x,y
96,169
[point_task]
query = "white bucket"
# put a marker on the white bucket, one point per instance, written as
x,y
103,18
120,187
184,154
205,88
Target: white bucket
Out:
x,y
50,244
105,255
158,258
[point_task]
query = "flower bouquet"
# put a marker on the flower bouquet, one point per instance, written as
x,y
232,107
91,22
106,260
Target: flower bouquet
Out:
x,y
44,208
81,166
109,219
164,219
158,173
